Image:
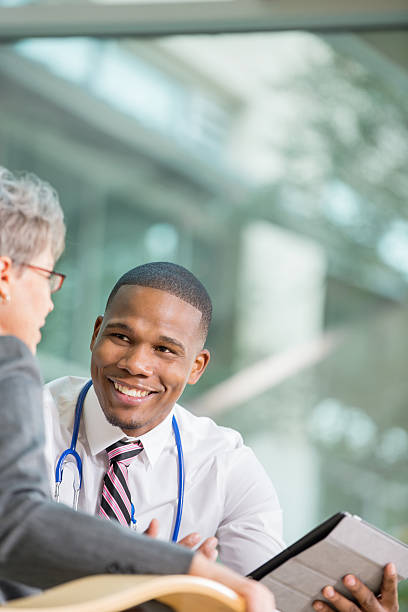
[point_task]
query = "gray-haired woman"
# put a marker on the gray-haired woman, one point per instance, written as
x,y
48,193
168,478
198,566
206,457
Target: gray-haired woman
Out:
x,y
32,236
42,543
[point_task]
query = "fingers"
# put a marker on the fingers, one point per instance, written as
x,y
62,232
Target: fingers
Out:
x,y
153,529
368,602
256,596
342,604
320,606
209,548
389,588
366,598
190,540
337,601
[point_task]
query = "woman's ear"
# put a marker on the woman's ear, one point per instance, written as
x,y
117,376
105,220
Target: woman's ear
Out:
x,y
5,267
200,363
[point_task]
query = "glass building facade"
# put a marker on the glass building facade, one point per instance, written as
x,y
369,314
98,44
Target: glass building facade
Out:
x,y
274,166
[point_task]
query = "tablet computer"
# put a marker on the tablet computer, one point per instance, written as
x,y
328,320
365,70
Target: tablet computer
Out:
x,y
343,544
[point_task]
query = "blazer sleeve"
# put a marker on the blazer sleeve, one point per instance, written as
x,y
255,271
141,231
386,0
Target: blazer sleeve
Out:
x,y
43,543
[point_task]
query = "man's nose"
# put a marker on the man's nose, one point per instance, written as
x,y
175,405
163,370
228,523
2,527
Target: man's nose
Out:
x,y
138,360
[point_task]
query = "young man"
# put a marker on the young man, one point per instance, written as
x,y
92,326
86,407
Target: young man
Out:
x,y
145,349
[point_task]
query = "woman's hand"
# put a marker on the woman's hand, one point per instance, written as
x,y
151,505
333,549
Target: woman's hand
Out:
x,y
256,596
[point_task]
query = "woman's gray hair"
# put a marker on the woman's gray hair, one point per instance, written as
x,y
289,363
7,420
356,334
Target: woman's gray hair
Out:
x,y
31,217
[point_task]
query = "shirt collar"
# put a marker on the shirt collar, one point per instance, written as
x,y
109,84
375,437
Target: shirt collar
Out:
x,y
155,440
101,434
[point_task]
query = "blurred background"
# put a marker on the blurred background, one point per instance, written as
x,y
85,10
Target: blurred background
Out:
x,y
273,164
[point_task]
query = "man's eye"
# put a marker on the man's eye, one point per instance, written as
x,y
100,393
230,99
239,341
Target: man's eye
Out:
x,y
120,337
163,349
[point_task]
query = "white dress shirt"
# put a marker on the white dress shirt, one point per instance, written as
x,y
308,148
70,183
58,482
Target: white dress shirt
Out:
x,y
227,492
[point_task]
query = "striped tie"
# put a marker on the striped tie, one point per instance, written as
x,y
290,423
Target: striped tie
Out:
x,y
116,500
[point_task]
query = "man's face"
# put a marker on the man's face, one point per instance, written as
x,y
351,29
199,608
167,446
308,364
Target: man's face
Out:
x,y
145,350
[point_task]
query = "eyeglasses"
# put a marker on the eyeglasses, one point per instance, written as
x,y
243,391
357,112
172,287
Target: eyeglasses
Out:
x,y
55,278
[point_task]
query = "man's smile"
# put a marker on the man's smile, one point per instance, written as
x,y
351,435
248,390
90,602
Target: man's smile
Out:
x,y
130,393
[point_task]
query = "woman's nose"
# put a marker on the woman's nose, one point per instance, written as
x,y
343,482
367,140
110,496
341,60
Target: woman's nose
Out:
x,y
50,305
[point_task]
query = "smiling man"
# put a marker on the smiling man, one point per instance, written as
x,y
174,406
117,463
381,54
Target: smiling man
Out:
x,y
147,347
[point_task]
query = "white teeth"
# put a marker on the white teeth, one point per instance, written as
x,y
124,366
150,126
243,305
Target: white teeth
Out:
x,y
131,392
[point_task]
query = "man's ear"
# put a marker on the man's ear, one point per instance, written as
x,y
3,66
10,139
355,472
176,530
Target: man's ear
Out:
x,y
97,327
200,363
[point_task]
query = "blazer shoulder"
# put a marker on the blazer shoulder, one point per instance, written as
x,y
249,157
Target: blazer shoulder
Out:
x,y
16,360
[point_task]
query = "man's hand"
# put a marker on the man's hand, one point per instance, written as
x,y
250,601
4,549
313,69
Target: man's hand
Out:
x,y
387,601
208,548
153,529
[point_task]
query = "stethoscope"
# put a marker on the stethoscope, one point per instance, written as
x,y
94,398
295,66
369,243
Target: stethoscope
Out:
x,y
70,455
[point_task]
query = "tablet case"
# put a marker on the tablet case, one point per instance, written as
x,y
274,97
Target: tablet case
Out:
x,y
343,544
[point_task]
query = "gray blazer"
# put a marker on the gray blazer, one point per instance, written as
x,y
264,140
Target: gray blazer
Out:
x,y
42,543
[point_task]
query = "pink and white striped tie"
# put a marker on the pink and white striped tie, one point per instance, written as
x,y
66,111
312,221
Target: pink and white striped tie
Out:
x,y
116,501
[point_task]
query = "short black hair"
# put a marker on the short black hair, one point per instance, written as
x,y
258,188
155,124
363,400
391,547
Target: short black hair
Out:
x,y
173,279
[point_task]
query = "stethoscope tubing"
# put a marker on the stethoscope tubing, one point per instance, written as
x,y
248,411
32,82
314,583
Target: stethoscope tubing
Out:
x,y
71,451
180,461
